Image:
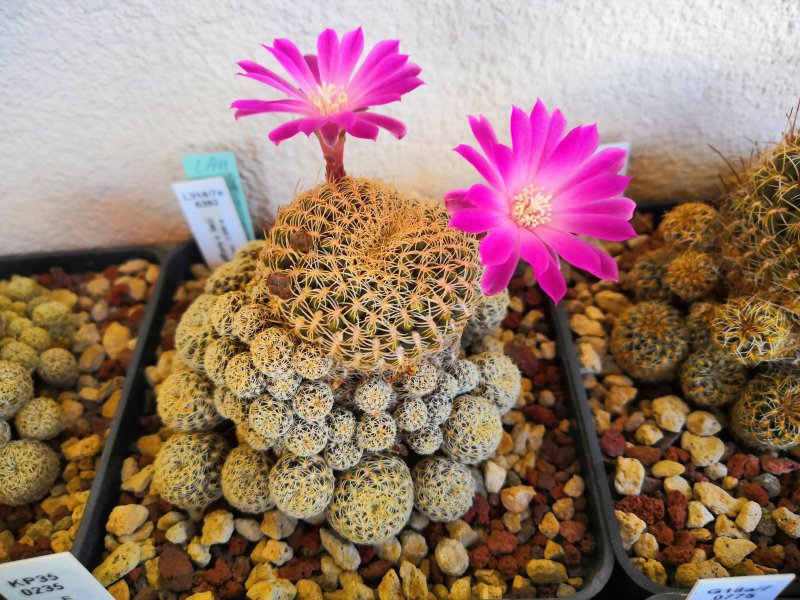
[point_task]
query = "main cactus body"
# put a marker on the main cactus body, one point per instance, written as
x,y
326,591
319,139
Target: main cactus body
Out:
x,y
334,347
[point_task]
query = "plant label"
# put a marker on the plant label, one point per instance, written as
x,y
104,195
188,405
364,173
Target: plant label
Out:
x,y
53,577
221,164
752,587
212,217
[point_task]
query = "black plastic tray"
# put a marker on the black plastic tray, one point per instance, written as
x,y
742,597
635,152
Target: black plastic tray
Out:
x,y
126,429
626,581
80,261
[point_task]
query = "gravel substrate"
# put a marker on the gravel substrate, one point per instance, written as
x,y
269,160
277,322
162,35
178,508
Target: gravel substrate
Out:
x,y
99,327
691,502
525,536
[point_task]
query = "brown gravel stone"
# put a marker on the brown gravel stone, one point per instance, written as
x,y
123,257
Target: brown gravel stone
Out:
x,y
649,510
647,455
175,568
613,443
678,508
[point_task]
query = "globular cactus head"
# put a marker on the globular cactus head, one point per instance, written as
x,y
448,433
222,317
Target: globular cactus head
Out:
x,y
245,479
58,367
473,430
16,388
420,380
185,402
692,225
753,330
272,351
306,438
39,419
490,315
645,279
285,386
20,353
373,396
341,425
692,275
37,338
310,361
698,325
341,456
443,488
188,469
54,317
243,378
427,440
22,289
301,486
466,374
194,331
28,469
373,500
313,400
269,417
440,401
236,274
411,414
230,406
218,353
376,432
376,279
710,379
767,416
224,311
500,382
649,341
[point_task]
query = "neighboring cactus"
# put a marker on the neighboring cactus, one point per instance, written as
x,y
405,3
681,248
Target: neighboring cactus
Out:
x,y
466,374
58,367
54,317
310,361
440,401
375,278
501,381
249,321
243,378
219,352
646,278
272,351
489,316
710,379
285,386
20,353
5,433
692,225
230,406
373,500
245,479
649,341
313,401
39,419
698,325
16,388
692,275
18,325
195,330
376,432
411,415
28,469
22,289
427,440
270,417
301,486
224,312
767,416
473,430
37,338
373,396
306,438
188,469
341,425
185,402
341,456
752,330
443,488
421,380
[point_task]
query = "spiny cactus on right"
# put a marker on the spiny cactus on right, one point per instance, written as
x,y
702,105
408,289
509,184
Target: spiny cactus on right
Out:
x,y
693,225
646,278
710,379
185,402
692,275
473,430
648,341
443,488
767,416
753,330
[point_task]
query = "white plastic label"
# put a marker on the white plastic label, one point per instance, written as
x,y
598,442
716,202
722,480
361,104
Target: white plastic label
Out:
x,y
212,217
753,587
53,577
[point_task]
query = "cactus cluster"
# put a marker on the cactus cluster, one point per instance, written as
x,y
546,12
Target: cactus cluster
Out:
x,y
767,415
333,347
28,469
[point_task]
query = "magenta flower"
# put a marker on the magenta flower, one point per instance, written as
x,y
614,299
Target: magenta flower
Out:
x,y
329,94
544,190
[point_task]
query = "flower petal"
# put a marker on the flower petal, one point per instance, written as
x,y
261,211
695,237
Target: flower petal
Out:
x,y
608,161
349,52
378,52
572,151
499,243
286,53
545,265
580,253
484,133
601,227
488,199
482,166
393,126
555,131
504,163
313,64
591,190
361,128
328,56
258,73
287,130
474,220
620,207
552,281
539,125
254,107
456,200
496,277
520,137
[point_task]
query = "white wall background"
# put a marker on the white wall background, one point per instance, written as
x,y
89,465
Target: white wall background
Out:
x,y
100,98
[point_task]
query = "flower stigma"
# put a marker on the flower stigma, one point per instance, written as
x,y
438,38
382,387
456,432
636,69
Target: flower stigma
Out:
x,y
531,207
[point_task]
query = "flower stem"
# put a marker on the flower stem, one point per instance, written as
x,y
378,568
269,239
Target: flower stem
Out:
x,y
334,158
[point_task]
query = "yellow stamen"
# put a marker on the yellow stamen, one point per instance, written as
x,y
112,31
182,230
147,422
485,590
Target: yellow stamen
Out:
x,y
531,207
329,98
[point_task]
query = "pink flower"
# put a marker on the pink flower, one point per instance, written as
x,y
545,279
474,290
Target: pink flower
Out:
x,y
542,192
327,91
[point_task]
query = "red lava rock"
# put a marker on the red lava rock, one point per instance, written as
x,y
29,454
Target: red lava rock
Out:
x,y
532,296
650,510
678,508
523,357
754,492
310,541
232,590
684,538
117,294
766,557
542,415
572,556
588,544
522,555
507,565
299,568
647,455
792,558
373,571
481,507
501,542
677,555
778,466
175,568
572,531
237,545
613,443
366,553
788,504
241,568
512,320
479,556
676,454
219,574
663,533
736,464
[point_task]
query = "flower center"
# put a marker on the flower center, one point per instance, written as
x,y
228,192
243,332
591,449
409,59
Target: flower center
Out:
x,y
531,207
329,98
